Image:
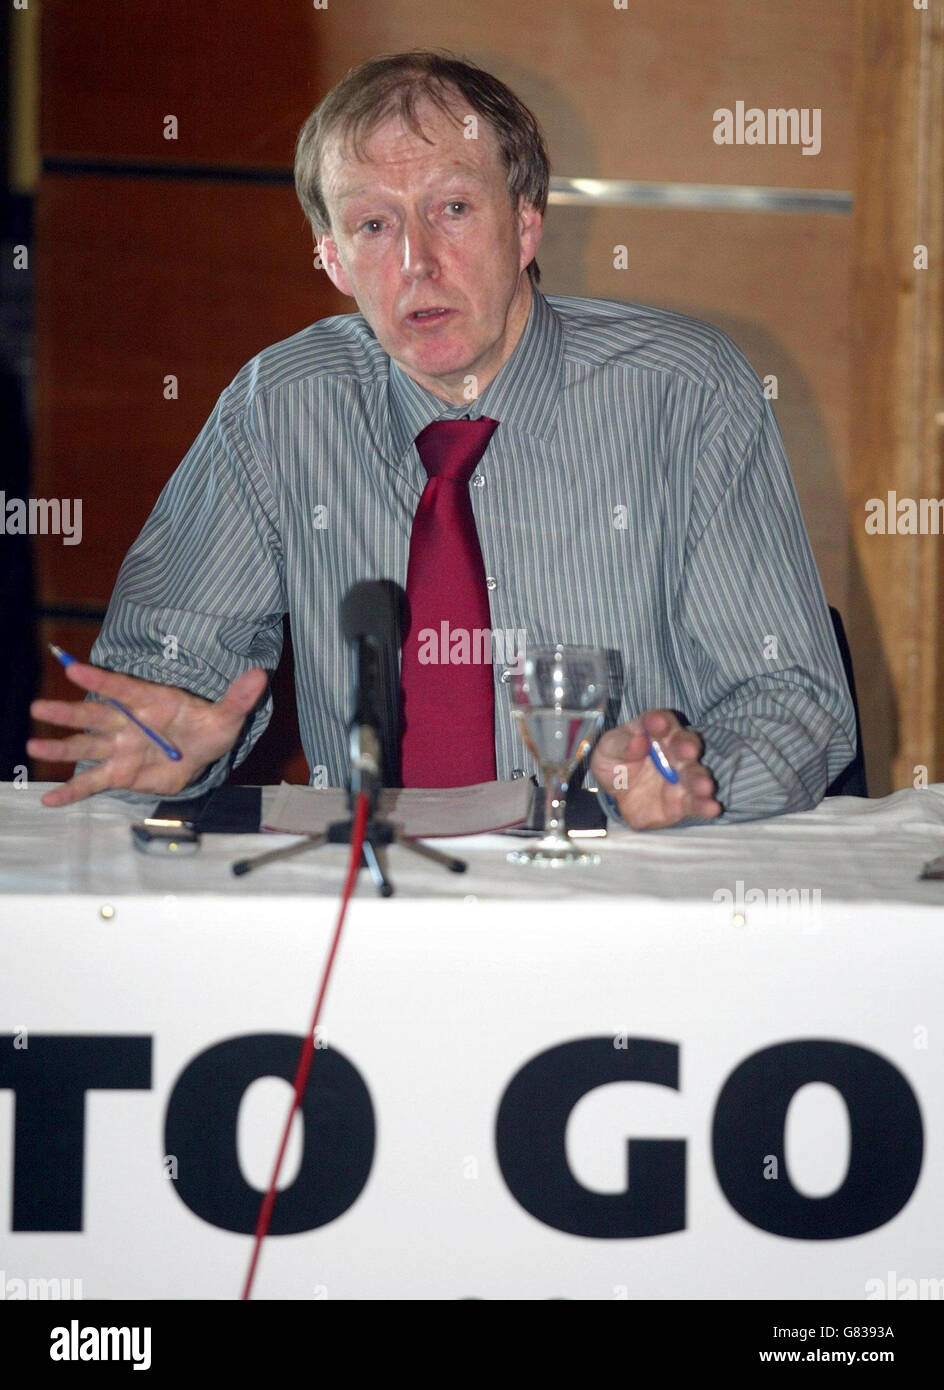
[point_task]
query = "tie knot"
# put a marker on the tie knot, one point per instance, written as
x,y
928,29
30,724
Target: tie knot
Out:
x,y
450,449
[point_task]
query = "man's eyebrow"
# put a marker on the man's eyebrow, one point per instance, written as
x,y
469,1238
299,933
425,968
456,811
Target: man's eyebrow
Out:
x,y
465,171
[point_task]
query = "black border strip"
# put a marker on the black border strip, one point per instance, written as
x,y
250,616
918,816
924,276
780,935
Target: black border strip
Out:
x,y
219,173
69,613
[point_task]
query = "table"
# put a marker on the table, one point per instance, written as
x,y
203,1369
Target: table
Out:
x,y
706,1069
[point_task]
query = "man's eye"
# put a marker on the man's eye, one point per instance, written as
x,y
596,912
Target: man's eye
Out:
x,y
457,206
372,225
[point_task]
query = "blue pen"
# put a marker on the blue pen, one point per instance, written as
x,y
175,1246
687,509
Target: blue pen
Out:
x,y
661,761
66,660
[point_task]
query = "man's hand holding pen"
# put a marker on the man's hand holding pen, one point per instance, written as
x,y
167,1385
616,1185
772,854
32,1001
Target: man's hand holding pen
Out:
x,y
134,748
647,799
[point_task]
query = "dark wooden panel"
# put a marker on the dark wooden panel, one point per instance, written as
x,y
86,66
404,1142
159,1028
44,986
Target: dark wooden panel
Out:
x,y
136,280
239,75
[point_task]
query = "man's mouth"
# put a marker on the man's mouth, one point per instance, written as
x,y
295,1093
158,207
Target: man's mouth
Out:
x,y
432,315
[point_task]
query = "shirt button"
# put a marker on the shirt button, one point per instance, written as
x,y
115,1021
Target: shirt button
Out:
x,y
506,674
478,480
517,773
491,582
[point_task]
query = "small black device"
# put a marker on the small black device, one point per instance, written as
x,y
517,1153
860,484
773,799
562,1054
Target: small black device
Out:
x,y
170,838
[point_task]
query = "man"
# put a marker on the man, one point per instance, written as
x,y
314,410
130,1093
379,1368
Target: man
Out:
x,y
633,495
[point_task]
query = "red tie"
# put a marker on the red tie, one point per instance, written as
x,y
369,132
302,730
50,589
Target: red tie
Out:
x,y
447,697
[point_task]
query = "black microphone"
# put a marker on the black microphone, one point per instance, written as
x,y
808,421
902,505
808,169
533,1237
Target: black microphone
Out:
x,y
370,618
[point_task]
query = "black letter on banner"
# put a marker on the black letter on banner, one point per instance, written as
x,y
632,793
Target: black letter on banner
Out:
x,y
200,1129
50,1078
887,1139
529,1137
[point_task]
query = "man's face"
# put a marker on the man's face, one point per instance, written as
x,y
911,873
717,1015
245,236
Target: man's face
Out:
x,y
426,239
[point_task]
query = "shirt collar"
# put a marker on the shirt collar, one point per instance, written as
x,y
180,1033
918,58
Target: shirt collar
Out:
x,y
523,396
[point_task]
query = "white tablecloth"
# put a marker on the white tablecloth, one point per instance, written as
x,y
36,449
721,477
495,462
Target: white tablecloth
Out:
x,y
848,850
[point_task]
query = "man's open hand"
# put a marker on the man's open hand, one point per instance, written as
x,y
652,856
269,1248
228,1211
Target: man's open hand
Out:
x,y
202,730
622,766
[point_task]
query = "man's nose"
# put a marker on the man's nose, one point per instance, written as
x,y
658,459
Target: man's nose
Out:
x,y
419,252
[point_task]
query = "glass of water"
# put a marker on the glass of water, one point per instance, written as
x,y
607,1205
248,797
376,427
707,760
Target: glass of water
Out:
x,y
558,699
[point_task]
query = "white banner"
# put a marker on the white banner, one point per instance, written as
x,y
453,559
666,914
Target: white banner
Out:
x,y
509,1100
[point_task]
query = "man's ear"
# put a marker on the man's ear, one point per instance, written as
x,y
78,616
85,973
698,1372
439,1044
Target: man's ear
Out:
x,y
327,249
530,230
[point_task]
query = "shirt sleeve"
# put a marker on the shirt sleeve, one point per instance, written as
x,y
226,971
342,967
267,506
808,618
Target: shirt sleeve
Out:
x,y
200,596
767,690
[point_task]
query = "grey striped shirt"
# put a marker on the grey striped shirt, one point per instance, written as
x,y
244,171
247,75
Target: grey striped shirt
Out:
x,y
635,496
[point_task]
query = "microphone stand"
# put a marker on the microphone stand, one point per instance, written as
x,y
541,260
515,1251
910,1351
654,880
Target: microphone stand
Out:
x,y
365,776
